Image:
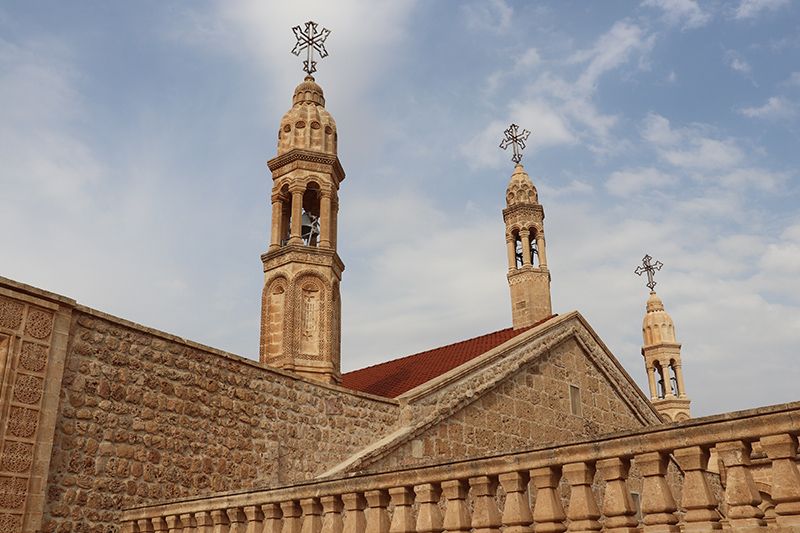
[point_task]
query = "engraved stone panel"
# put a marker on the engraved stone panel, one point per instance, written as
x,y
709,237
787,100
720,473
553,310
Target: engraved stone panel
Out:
x,y
33,357
17,457
28,389
39,324
10,314
309,329
13,491
22,422
10,523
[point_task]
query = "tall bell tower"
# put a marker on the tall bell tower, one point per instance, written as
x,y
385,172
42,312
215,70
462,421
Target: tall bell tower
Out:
x,y
528,276
300,306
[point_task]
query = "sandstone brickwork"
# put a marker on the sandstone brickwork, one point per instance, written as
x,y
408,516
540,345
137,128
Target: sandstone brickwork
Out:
x,y
147,417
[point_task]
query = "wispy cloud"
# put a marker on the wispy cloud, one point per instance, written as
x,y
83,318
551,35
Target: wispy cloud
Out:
x,y
686,12
776,108
748,9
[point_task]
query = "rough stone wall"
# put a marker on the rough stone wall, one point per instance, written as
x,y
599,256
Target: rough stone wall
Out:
x,y
145,417
531,408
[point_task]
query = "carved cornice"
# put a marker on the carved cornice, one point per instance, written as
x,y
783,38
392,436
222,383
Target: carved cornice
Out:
x,y
307,156
300,253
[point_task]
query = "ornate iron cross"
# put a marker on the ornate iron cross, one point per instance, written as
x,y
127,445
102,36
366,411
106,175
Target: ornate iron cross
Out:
x,y
650,268
517,139
309,40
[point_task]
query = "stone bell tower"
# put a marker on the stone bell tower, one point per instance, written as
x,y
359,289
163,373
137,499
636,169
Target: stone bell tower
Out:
x,y
301,309
662,354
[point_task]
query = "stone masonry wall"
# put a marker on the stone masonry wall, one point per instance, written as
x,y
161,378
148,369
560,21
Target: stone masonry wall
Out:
x,y
532,407
145,417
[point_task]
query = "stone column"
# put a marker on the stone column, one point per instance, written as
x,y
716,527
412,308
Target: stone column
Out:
x,y
485,514
429,519
378,516
236,519
332,507
782,451
667,381
325,219
525,235
583,511
517,517
457,517
354,521
540,249
651,379
618,506
658,505
403,516
277,216
189,524
291,517
548,513
204,522
255,519
741,493
698,499
297,214
511,244
220,520
679,379
312,519
272,517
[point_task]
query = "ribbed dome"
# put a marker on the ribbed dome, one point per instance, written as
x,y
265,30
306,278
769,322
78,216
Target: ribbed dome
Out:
x,y
307,125
520,189
657,326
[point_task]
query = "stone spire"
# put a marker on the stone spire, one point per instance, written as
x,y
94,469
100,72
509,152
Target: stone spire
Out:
x,y
528,277
662,359
301,309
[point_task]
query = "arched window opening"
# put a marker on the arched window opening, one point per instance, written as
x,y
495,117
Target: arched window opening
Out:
x,y
518,252
309,230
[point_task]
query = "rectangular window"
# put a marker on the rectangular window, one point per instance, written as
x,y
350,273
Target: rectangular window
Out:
x,y
575,400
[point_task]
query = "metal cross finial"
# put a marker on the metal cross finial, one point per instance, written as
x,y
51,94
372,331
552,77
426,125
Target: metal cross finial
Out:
x,y
309,40
515,138
650,268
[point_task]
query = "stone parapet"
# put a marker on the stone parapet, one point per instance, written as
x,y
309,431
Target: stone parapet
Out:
x,y
605,462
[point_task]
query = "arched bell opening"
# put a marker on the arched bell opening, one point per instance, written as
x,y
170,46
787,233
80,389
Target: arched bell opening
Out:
x,y
673,382
521,242
309,225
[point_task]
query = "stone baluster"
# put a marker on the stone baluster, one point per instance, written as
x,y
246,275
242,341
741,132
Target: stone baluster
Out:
x,y
377,516
145,525
548,513
159,524
255,519
237,519
583,511
312,515
698,499
204,522
517,517
291,516
189,523
220,519
618,506
782,451
485,514
174,524
658,505
129,526
272,518
429,519
457,518
741,493
354,521
403,517
332,507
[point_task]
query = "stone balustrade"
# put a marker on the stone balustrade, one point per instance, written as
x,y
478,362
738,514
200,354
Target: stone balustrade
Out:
x,y
462,496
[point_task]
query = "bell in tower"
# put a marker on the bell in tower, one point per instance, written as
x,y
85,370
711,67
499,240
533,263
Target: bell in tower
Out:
x,y
528,277
300,309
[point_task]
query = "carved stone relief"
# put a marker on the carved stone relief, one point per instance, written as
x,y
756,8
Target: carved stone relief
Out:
x,y
33,357
39,324
22,422
10,523
17,457
13,491
28,389
10,314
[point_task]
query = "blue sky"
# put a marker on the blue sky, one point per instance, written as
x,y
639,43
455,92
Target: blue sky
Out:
x,y
134,139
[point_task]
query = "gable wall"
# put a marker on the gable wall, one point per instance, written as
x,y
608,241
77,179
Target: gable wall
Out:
x,y
532,407
144,416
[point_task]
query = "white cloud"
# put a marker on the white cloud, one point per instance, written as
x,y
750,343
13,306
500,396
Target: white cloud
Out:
x,y
752,8
628,182
611,50
776,108
656,129
735,61
676,11
494,15
706,154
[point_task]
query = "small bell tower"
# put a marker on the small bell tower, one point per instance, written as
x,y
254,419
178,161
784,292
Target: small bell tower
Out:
x,y
662,354
300,307
528,276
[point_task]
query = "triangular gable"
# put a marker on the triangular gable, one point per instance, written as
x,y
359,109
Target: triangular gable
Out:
x,y
444,404
393,378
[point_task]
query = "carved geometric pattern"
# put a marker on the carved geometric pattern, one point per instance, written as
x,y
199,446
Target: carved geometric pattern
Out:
x,y
28,389
10,523
39,324
13,491
17,457
10,314
33,357
23,422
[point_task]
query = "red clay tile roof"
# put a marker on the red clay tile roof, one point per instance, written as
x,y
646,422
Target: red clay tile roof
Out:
x,y
393,378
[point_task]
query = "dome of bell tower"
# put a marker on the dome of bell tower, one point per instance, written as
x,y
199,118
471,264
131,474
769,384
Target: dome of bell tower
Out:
x,y
657,326
521,189
307,125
